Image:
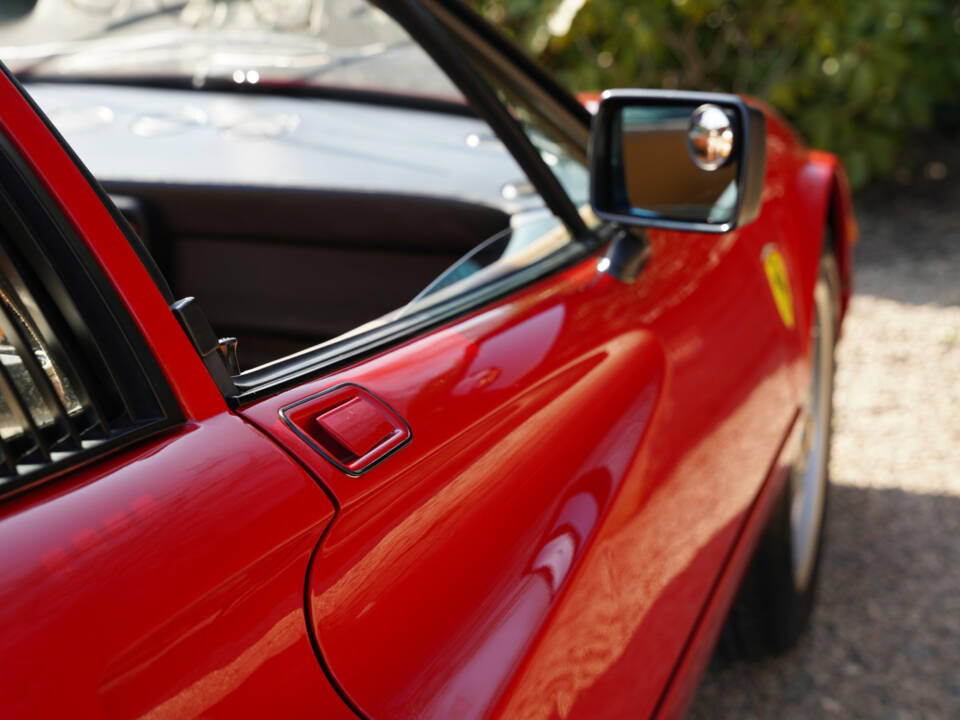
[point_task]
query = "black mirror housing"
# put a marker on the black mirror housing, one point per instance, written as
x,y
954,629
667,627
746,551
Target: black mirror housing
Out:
x,y
678,160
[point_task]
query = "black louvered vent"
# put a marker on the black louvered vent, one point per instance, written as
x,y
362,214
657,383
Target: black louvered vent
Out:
x,y
76,377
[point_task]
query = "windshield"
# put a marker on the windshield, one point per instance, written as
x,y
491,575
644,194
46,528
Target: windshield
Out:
x,y
332,43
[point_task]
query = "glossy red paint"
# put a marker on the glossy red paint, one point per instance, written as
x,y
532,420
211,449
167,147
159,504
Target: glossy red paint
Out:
x,y
46,157
696,656
590,467
585,456
167,582
844,222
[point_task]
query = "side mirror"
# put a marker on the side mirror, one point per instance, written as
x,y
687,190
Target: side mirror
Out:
x,y
679,160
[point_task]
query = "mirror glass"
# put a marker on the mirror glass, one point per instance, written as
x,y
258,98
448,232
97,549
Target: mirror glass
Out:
x,y
677,161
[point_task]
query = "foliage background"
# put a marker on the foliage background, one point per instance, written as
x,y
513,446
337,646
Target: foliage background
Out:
x,y
872,80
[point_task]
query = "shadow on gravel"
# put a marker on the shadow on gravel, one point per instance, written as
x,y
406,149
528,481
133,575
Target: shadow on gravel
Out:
x,y
884,641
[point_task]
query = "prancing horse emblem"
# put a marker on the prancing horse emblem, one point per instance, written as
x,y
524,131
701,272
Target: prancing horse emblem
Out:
x,y
779,281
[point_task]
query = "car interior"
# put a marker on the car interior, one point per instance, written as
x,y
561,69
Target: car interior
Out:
x,y
292,214
290,239
282,270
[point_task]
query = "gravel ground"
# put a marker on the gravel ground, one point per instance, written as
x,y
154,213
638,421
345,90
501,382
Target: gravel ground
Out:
x,y
884,640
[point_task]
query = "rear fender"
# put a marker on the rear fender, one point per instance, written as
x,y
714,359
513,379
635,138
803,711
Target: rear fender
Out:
x,y
825,190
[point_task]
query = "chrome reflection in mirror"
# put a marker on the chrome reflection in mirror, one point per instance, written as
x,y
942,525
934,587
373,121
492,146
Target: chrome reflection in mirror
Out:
x,y
679,160
710,137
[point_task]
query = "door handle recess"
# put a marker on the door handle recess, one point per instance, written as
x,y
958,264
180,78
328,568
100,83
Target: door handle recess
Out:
x,y
349,426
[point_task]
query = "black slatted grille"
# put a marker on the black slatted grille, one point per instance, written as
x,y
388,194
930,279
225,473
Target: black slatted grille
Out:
x,y
52,408
76,378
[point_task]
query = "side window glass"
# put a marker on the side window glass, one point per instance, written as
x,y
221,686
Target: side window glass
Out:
x,y
567,166
566,158
304,170
532,236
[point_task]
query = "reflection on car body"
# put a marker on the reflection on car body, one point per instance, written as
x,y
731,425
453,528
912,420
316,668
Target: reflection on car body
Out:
x,y
520,390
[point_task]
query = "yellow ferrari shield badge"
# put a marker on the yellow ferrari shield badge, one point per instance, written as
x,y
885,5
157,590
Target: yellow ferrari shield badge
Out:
x,y
779,282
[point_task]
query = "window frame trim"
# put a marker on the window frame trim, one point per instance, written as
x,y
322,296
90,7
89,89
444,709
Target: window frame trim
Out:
x,y
285,373
440,40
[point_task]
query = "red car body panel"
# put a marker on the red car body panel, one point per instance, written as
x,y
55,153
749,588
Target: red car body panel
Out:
x,y
167,579
683,684
584,456
166,582
591,464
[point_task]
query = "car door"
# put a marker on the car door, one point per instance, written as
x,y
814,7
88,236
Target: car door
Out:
x,y
580,457
534,491
537,493
154,543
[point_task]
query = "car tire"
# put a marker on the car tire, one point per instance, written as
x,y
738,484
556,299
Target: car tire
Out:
x,y
773,606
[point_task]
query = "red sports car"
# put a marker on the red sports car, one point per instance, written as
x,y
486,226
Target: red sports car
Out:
x,y
367,373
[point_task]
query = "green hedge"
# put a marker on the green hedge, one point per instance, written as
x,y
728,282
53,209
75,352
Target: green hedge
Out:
x,y
864,78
